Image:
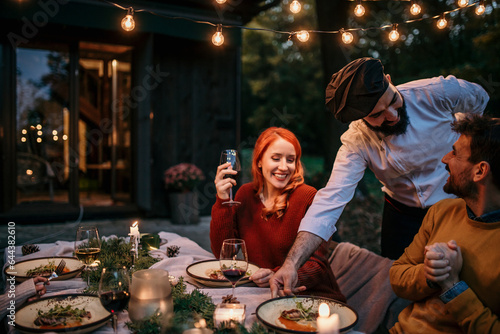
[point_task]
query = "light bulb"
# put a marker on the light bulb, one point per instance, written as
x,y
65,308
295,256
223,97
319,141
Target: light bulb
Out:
x,y
218,38
463,3
415,9
39,140
480,9
55,138
24,131
394,34
359,10
220,2
442,23
23,139
295,7
347,37
303,36
128,23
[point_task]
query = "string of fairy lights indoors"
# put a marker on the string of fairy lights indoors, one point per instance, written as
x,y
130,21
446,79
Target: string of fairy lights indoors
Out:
x,y
347,37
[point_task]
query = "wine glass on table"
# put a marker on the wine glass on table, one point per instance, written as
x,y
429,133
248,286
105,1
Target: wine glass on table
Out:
x,y
87,246
232,157
114,291
233,260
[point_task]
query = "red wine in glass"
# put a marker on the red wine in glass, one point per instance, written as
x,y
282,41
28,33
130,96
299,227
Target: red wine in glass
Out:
x,y
233,275
114,301
233,260
114,292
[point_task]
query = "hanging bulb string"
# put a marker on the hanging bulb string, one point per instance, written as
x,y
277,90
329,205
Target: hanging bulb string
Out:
x,y
292,33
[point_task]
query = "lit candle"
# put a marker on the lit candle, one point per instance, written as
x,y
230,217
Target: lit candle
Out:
x,y
134,229
326,323
228,312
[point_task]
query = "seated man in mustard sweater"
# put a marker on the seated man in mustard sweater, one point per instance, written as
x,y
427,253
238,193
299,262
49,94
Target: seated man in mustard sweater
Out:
x,y
451,270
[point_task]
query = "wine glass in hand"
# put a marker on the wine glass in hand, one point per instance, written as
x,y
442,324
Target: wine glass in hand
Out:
x,y
233,260
231,156
87,246
114,291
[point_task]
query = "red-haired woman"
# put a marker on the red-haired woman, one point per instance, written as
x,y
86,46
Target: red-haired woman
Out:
x,y
271,209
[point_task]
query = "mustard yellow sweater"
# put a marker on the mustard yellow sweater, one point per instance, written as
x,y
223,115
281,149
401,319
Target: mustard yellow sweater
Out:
x,y
475,310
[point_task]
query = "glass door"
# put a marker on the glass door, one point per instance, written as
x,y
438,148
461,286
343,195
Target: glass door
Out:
x,y
42,124
104,125
94,170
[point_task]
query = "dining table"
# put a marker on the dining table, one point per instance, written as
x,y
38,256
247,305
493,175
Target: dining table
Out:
x,y
189,252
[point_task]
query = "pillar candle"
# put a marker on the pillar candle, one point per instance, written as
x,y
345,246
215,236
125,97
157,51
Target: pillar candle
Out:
x,y
326,323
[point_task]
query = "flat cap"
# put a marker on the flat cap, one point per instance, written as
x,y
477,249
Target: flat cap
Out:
x,y
354,91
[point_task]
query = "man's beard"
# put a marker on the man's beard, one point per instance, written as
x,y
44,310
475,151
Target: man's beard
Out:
x,y
397,129
461,185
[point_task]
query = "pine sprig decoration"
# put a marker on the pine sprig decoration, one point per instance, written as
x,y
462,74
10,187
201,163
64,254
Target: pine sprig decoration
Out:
x,y
29,249
115,252
173,251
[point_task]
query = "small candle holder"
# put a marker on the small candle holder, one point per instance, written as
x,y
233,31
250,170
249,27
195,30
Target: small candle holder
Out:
x,y
229,311
134,252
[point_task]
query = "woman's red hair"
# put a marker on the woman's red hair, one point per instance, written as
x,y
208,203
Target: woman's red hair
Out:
x,y
265,139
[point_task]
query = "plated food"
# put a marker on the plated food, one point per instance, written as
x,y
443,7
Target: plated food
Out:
x,y
24,270
298,314
208,273
74,313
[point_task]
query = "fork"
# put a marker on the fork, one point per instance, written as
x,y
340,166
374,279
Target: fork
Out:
x,y
58,271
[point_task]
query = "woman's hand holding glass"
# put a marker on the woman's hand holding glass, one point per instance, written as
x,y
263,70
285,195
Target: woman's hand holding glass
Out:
x,y
224,183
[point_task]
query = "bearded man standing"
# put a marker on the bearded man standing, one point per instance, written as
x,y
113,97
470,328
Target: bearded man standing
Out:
x,y
400,133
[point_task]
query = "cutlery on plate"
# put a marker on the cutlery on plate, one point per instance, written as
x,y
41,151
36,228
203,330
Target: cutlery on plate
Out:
x,y
58,271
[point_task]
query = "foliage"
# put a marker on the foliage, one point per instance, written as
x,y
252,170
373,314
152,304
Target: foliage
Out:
x,y
115,252
183,177
188,308
282,78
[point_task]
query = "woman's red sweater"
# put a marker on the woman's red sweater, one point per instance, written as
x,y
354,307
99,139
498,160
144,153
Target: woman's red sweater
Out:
x,y
268,241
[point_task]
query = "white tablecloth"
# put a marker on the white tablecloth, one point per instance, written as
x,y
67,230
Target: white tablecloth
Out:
x,y
189,253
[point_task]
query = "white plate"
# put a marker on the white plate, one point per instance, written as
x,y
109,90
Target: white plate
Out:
x,y
20,269
26,315
269,311
198,271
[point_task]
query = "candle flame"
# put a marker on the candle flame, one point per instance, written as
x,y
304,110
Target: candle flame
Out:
x,y
135,224
324,310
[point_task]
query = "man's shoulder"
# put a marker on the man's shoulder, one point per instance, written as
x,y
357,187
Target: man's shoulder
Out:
x,y
447,204
428,83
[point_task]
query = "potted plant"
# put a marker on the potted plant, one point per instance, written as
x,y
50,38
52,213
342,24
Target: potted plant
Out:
x,y
180,181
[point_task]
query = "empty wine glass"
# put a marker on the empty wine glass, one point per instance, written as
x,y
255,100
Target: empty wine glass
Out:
x,y
233,260
114,291
87,246
232,157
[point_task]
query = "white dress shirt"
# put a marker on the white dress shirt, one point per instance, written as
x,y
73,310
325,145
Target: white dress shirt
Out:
x,y
409,165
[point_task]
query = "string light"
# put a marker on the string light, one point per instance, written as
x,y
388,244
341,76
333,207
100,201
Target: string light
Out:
x,y
303,36
394,34
128,23
218,38
295,6
415,8
359,10
24,131
347,37
463,3
220,2
480,9
23,139
442,23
